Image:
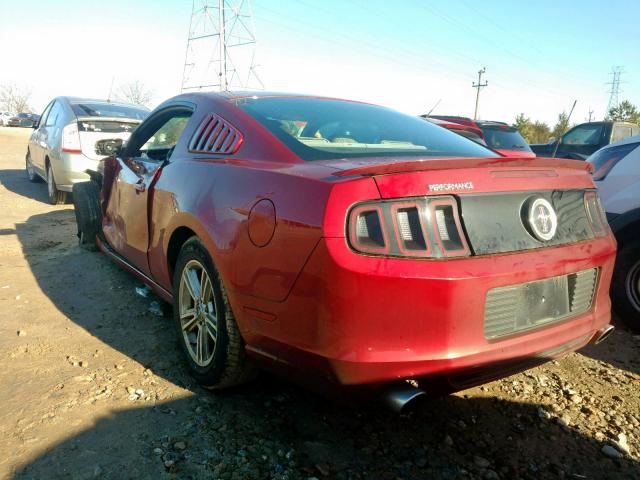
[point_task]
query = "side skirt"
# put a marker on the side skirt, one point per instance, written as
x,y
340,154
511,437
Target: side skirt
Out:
x,y
122,262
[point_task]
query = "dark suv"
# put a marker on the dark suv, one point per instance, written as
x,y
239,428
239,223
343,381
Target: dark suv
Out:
x,y
586,138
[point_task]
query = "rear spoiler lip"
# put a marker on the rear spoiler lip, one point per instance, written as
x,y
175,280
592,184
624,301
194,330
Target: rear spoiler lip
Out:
x,y
394,166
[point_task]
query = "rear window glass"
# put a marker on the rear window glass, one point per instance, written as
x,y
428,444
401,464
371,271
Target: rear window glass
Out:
x,y
605,159
324,129
114,110
586,134
106,126
471,136
505,139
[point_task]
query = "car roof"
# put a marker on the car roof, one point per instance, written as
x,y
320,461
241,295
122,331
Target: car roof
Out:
x,y
624,141
75,100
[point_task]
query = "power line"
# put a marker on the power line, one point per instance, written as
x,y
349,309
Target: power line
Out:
x,y
220,47
478,86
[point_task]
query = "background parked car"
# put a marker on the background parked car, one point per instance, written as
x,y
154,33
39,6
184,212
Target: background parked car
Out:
x,y
4,117
467,131
499,136
584,139
22,120
617,175
62,146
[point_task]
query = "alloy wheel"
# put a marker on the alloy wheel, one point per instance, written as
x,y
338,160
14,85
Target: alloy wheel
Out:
x,y
51,188
633,285
30,171
198,313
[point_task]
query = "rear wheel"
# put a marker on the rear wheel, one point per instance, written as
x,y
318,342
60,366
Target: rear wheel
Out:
x,y
56,197
625,286
207,330
86,202
31,173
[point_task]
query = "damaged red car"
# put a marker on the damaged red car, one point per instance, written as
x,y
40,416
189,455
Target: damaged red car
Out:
x,y
350,244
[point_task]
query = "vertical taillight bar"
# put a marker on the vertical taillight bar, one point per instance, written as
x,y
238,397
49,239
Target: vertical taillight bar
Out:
x,y
409,225
367,231
447,227
596,214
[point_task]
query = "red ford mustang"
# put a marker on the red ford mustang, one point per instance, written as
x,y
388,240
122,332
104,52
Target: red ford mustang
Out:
x,y
350,243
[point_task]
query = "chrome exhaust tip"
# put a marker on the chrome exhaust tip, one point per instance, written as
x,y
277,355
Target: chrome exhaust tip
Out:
x,y
603,334
400,397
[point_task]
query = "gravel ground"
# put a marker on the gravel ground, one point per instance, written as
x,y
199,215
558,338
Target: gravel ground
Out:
x,y
93,387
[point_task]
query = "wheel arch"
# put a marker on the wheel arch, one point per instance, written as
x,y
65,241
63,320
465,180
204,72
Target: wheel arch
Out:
x,y
177,239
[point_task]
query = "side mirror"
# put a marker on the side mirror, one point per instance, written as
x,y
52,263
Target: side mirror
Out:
x,y
109,147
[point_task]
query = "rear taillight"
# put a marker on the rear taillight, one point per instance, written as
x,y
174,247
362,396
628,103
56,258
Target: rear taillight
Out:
x,y
367,231
595,212
448,227
425,227
71,139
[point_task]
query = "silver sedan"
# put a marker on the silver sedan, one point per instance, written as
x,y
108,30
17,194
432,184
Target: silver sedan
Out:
x,y
62,145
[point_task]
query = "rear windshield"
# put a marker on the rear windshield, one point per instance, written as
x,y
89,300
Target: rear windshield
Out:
x,y
505,138
471,136
323,129
606,158
96,109
24,115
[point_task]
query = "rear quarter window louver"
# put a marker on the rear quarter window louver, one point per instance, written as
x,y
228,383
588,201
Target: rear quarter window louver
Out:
x,y
215,135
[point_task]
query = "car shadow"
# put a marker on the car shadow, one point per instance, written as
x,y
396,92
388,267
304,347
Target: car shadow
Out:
x,y
272,429
17,182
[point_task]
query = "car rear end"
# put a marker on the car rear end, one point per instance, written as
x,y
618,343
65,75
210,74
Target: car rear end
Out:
x,y
439,259
91,121
446,275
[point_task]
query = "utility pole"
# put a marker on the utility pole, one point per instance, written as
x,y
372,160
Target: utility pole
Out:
x,y
614,93
478,86
590,114
220,47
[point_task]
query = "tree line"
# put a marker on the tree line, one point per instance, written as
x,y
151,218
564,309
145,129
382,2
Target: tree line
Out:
x,y
541,132
17,99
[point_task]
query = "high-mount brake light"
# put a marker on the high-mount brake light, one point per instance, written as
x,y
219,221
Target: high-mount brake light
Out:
x,y
595,213
427,227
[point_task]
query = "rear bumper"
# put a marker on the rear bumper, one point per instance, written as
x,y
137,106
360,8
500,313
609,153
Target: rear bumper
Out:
x,y
366,319
71,168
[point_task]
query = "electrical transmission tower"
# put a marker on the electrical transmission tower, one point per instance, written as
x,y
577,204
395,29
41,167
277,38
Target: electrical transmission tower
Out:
x,y
478,86
614,93
221,47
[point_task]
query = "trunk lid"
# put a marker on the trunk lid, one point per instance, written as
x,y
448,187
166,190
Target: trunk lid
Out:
x,y
93,129
397,178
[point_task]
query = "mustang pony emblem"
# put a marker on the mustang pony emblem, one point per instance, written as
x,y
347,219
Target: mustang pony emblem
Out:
x,y
542,219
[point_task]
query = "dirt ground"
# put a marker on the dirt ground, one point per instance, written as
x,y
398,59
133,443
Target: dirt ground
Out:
x,y
92,386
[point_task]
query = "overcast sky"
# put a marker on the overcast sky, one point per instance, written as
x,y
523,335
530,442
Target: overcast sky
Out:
x,y
409,54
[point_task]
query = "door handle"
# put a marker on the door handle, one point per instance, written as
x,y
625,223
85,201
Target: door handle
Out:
x,y
140,187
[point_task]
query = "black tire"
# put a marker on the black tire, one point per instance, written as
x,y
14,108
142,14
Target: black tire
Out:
x,y
31,173
625,285
228,365
86,202
56,197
